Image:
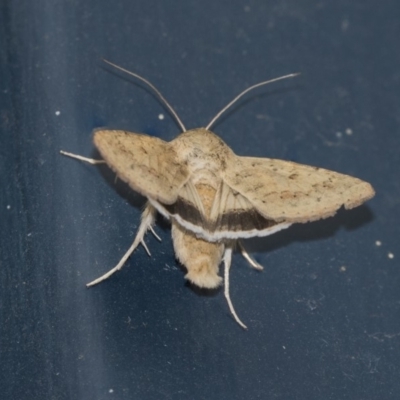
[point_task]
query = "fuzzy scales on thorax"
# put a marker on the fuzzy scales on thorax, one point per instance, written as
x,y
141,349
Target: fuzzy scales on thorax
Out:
x,y
204,153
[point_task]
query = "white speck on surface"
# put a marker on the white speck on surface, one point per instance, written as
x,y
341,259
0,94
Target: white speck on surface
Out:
x,y
339,134
169,268
349,131
284,347
58,113
343,268
378,243
391,256
8,207
161,116
111,391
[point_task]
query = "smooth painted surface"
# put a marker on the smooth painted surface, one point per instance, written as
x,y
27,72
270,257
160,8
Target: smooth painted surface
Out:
x,y
323,317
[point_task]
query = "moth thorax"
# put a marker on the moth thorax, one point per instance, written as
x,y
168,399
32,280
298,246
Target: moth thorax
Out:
x,y
202,150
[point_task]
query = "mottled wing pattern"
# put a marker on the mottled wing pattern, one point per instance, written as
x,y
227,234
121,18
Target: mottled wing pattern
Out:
x,y
284,191
148,164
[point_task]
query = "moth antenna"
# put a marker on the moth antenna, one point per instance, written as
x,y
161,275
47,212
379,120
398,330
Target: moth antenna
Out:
x,y
171,110
246,91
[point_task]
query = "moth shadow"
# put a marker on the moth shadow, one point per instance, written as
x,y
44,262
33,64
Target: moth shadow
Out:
x,y
123,190
120,187
347,219
203,292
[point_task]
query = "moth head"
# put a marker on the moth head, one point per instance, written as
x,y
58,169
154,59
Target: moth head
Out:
x,y
202,149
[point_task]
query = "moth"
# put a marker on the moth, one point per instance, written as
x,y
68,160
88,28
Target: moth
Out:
x,y
215,198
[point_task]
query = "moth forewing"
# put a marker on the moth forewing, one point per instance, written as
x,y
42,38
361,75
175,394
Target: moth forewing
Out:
x,y
285,191
149,165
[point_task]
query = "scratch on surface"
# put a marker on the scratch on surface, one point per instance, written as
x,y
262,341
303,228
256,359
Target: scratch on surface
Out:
x,y
381,336
338,143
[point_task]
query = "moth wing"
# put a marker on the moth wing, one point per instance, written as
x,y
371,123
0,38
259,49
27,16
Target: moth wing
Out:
x,y
187,209
285,191
149,165
233,216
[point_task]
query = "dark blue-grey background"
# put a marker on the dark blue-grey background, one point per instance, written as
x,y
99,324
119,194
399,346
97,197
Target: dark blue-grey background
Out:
x,y
323,317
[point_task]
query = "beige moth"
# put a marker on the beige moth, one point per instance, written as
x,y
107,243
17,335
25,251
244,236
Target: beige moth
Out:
x,y
215,198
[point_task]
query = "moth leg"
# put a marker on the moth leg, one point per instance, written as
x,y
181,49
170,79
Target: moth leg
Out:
x,y
154,233
227,263
81,158
249,259
148,218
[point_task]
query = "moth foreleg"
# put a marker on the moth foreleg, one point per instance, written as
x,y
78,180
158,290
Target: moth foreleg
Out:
x,y
227,263
81,158
249,259
148,218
